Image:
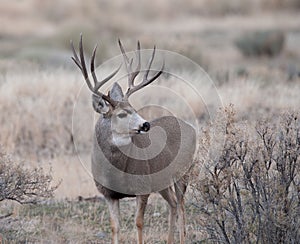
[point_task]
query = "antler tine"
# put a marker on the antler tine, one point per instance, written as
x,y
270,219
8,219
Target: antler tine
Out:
x,y
79,64
145,78
138,67
131,74
107,78
75,58
101,83
93,66
158,73
149,64
146,81
125,57
82,66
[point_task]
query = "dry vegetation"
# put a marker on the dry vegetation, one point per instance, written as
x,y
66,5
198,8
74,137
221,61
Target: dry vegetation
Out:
x,y
23,185
250,193
248,185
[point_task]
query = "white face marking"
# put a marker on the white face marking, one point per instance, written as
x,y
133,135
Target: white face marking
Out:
x,y
125,123
120,140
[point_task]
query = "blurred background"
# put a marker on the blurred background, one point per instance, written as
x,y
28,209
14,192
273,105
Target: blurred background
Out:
x,y
215,34
249,48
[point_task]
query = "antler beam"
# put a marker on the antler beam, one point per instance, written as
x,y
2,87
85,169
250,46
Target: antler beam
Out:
x,y
80,62
133,74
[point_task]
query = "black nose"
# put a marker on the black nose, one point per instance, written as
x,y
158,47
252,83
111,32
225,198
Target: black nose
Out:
x,y
146,126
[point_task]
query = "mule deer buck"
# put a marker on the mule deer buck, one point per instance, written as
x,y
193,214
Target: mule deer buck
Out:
x,y
120,129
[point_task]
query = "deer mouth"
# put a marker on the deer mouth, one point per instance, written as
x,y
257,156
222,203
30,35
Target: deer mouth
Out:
x,y
132,132
138,131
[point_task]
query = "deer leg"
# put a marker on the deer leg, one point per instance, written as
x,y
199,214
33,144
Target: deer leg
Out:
x,y
114,210
169,195
180,189
141,202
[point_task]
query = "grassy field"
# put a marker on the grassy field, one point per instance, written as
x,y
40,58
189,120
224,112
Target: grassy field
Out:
x,y
88,221
39,86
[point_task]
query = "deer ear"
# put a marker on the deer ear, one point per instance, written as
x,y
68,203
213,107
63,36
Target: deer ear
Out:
x,y
116,92
99,104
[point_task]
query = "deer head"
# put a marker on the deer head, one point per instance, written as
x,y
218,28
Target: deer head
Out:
x,y
125,121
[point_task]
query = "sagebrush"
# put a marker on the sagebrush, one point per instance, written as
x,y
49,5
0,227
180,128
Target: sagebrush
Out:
x,y
249,181
21,184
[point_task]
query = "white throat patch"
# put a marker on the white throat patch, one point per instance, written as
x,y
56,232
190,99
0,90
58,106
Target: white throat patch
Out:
x,y
121,140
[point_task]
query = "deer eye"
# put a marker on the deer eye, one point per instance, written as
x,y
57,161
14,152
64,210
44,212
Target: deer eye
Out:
x,y
122,115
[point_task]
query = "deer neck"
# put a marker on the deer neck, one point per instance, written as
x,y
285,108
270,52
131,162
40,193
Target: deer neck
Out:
x,y
120,140
106,135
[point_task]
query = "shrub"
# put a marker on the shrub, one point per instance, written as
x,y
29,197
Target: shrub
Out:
x,y
269,43
250,191
23,185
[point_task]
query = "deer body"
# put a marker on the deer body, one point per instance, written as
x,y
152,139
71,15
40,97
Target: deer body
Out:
x,y
123,140
150,165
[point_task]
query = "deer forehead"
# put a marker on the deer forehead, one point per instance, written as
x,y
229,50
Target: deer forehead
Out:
x,y
125,107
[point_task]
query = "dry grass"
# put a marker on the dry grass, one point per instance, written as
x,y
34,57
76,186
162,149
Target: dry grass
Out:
x,y
39,86
84,221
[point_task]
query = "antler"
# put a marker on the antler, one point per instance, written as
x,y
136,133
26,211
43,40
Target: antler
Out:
x,y
133,74
82,66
